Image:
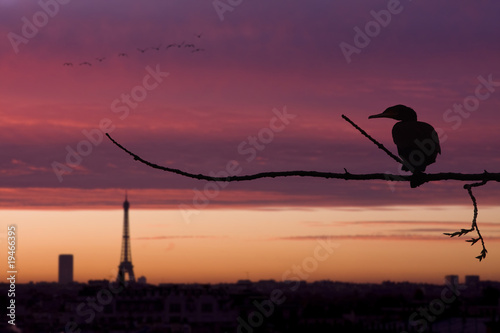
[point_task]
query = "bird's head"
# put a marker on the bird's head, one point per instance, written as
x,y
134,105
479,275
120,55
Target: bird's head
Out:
x,y
398,112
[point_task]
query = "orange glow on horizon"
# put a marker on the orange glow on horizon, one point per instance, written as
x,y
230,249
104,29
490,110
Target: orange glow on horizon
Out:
x,y
228,245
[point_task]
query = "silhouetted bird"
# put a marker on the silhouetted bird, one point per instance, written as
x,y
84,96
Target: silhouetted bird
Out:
x,y
417,142
189,45
100,59
171,45
156,48
180,45
68,64
199,36
142,50
197,50
122,54
86,63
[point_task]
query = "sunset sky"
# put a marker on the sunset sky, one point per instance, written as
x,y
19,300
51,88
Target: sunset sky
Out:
x,y
259,86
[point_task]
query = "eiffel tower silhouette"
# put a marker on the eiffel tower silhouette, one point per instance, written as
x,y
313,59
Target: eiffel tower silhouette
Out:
x,y
125,266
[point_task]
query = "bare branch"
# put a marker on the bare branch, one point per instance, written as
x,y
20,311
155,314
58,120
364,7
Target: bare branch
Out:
x,y
486,176
422,178
473,241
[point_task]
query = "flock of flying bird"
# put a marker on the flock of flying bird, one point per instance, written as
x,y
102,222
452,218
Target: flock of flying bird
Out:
x,y
183,45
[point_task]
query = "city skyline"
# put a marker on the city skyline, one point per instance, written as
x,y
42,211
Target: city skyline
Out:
x,y
66,276
287,306
245,89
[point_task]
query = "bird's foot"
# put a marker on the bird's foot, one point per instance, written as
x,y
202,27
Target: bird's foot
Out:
x,y
417,179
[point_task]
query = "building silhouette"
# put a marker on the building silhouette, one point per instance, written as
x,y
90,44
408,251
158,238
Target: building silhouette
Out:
x,y
65,268
125,267
472,281
451,279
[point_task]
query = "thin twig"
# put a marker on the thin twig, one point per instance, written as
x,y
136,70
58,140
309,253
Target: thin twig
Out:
x,y
474,225
381,146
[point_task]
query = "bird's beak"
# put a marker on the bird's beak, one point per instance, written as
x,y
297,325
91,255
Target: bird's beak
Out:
x,y
380,115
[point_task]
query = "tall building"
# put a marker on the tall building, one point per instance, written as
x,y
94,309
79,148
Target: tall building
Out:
x,y
65,268
472,281
451,279
126,267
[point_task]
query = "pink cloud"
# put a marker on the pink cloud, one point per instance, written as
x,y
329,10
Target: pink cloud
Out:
x,y
258,59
